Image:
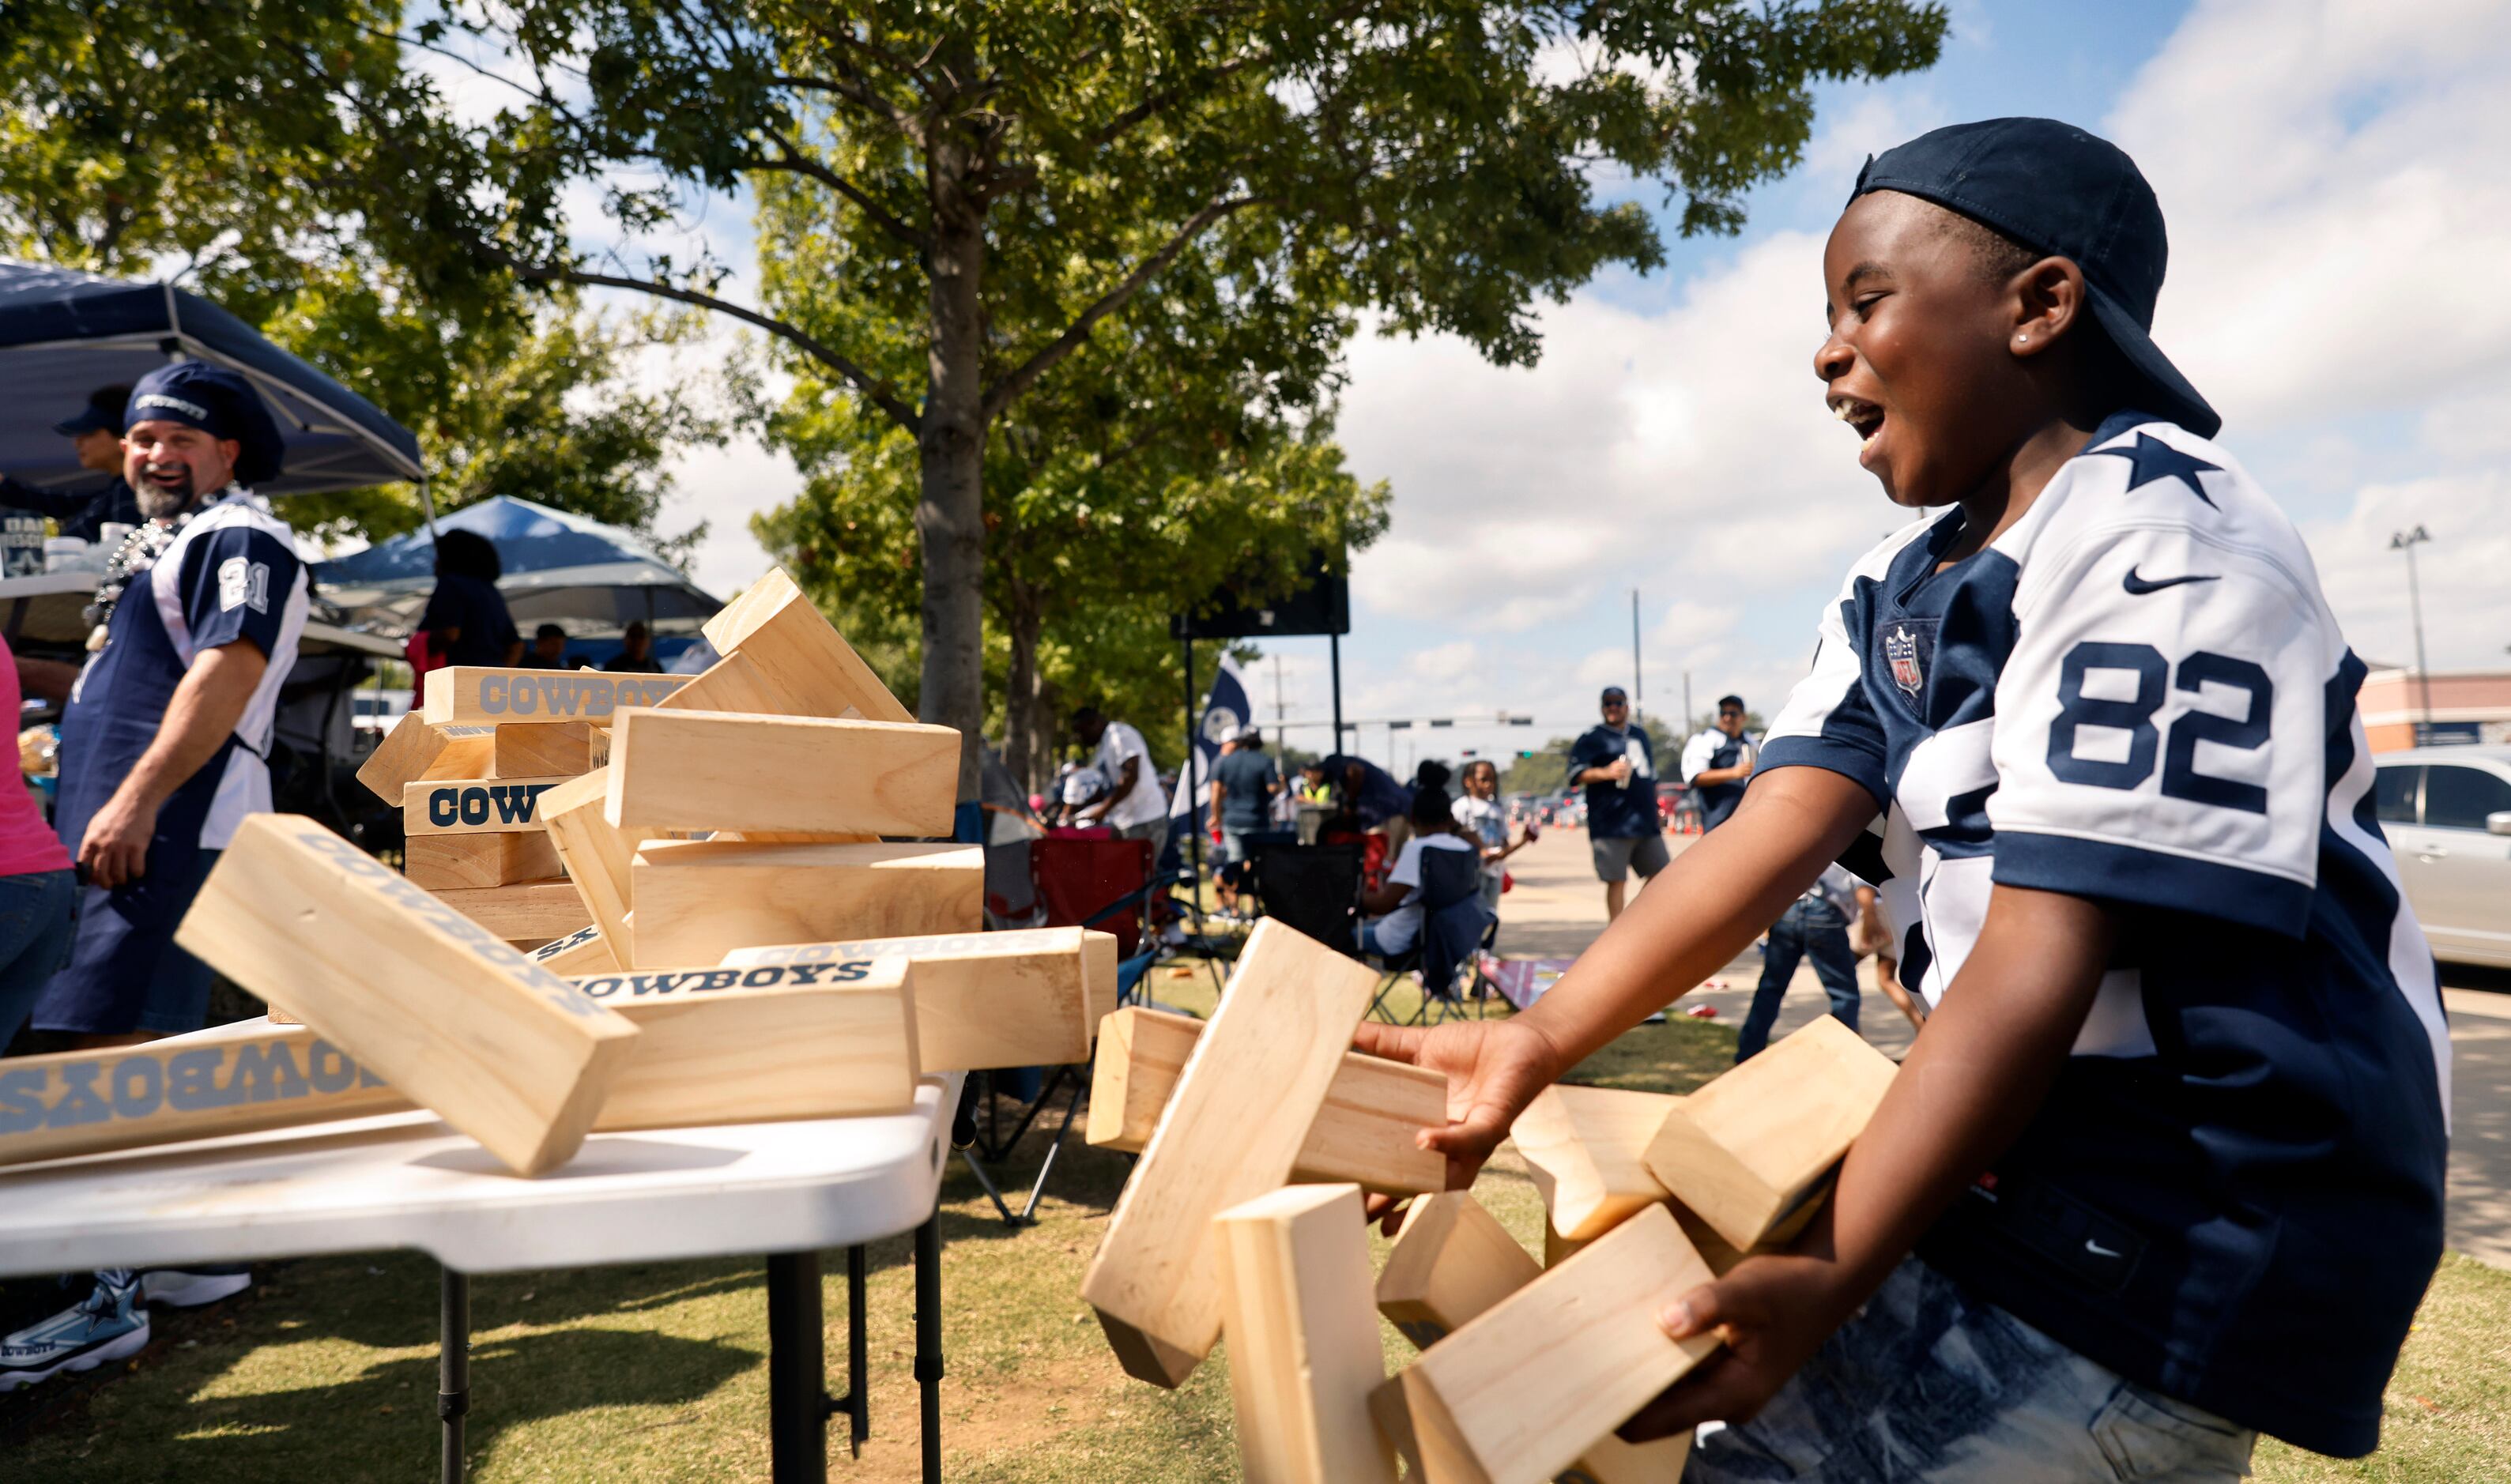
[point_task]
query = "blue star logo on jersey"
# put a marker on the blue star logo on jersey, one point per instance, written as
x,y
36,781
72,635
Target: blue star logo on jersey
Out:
x,y
2151,460
1901,652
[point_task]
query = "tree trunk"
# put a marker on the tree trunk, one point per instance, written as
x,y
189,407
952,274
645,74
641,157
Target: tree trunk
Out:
x,y
1024,722
949,514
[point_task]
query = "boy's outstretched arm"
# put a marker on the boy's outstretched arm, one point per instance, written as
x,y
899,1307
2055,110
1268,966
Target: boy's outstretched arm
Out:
x,y
1691,921
1978,1074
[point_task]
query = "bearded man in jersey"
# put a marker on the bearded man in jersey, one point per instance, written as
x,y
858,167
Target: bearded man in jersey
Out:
x,y
164,741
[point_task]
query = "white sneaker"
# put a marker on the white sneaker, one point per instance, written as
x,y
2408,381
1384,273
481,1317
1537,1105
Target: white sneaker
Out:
x,y
179,1289
106,1325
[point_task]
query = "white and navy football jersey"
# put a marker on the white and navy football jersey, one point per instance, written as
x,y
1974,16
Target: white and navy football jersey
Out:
x,y
2138,693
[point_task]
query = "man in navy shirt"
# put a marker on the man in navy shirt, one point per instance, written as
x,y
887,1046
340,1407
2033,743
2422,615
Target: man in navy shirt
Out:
x,y
1618,766
95,431
1717,762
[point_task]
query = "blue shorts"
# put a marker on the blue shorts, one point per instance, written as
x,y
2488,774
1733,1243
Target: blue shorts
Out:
x,y
35,918
1931,1385
125,972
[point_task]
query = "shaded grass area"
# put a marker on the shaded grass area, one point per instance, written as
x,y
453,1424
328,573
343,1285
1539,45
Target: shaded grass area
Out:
x,y
326,1372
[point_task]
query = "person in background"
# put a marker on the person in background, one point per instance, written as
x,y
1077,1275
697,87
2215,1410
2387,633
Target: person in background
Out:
x,y
636,655
1394,925
1243,785
95,431
37,888
1480,814
466,619
1134,805
549,648
1371,794
1814,927
1617,766
1717,761
1870,933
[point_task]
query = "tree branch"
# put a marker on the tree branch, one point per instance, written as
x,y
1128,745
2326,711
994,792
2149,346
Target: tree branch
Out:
x,y
1004,392
796,161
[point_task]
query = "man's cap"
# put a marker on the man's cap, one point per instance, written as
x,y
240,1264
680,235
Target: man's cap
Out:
x,y
2058,190
217,400
1612,693
102,414
1246,735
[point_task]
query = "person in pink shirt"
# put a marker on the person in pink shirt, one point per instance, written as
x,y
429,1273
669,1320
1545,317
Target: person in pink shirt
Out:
x,y
37,887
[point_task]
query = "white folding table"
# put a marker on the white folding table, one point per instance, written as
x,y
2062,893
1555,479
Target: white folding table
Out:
x,y
406,1180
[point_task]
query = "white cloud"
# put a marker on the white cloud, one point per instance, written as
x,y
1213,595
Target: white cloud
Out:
x,y
2467,624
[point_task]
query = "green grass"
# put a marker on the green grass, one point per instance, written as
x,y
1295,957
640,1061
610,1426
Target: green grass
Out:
x,y
326,1372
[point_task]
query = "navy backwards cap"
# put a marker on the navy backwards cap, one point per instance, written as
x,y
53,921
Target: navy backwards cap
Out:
x,y
2058,190
102,414
220,404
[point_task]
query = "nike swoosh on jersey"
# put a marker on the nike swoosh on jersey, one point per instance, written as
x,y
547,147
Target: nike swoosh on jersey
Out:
x,y
2097,1249
2141,585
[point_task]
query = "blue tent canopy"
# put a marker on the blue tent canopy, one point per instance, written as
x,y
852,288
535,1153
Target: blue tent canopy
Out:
x,y
558,567
64,333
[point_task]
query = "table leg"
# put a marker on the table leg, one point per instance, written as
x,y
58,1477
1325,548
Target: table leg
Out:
x,y
798,1396
453,1369
928,1340
857,1405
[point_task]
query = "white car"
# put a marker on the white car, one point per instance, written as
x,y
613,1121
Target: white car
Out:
x,y
2447,812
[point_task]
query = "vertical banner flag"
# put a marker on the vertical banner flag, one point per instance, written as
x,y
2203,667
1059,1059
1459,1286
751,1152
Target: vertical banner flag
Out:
x,y
1224,711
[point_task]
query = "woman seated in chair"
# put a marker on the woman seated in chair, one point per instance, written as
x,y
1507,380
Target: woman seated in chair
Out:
x,y
1396,909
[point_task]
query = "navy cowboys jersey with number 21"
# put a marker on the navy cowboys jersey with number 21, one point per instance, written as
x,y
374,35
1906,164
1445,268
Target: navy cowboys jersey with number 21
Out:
x,y
2137,694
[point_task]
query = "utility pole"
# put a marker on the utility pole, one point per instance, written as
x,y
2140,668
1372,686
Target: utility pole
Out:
x,y
2407,542
1687,712
1639,679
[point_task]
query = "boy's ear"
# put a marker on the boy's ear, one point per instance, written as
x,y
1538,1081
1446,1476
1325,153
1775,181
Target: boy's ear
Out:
x,y
2048,301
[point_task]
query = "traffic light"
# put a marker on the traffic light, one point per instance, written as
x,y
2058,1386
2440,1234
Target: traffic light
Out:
x,y
1522,754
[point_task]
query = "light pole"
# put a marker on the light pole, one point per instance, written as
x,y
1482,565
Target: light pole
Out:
x,y
1639,681
2407,542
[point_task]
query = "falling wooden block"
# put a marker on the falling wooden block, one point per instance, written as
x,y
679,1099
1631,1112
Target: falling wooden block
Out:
x,y
1029,997
697,901
723,769
598,856
412,750
507,1052
1757,1147
541,749
456,863
1587,1147
1363,1133
537,911
1231,1132
1452,1261
582,951
472,806
1303,1355
798,654
489,695
1523,1390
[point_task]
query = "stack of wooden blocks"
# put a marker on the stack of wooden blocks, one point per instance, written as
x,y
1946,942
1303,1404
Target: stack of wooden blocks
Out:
x,y
1258,1133
718,930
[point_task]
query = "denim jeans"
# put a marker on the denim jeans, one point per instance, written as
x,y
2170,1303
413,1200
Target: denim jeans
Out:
x,y
1929,1386
1808,929
34,941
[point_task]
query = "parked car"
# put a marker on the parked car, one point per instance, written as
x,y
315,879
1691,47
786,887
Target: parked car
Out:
x,y
2447,812
378,710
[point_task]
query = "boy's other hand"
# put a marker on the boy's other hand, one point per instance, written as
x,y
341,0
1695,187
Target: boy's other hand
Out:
x,y
1773,1311
1494,1068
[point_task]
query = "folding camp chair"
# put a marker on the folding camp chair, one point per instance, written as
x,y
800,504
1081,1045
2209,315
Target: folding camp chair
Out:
x,y
1451,907
1314,889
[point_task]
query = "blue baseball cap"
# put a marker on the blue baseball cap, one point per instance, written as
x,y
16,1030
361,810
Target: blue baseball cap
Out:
x,y
102,414
220,404
2058,190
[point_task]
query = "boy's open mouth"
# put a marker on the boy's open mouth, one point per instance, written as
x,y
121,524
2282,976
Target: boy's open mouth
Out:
x,y
1862,415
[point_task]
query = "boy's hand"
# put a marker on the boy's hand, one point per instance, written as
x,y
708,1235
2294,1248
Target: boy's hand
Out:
x,y
1494,1068
1773,1311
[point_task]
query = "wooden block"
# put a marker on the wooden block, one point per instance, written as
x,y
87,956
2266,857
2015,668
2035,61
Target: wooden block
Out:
x,y
538,910
507,1052
550,750
472,806
596,857
697,901
582,951
412,750
1362,1133
489,695
454,862
733,683
725,770
1587,1147
1231,1132
128,1097
1452,1262
798,654
1759,1145
984,1000
1303,1355
1522,1391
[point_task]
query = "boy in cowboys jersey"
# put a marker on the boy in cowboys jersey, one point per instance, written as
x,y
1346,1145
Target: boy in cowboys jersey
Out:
x,y
2164,1168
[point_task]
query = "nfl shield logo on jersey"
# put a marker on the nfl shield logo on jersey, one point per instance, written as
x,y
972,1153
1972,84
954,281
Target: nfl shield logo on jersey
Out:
x,y
1901,652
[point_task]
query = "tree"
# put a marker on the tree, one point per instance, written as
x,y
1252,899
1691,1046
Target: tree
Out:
x,y
998,182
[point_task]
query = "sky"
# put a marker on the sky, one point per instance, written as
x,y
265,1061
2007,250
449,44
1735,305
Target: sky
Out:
x,y
2338,207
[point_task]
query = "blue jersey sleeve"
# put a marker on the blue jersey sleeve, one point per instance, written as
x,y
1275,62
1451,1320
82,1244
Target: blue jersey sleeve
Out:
x,y
2161,735
236,582
1590,751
